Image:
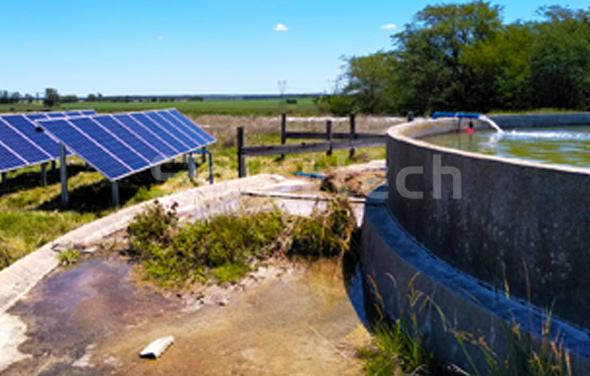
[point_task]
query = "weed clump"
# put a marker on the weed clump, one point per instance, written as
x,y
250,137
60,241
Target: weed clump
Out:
x,y
326,232
69,257
226,245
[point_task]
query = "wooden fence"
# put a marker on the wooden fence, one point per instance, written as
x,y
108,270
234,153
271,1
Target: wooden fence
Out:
x,y
350,140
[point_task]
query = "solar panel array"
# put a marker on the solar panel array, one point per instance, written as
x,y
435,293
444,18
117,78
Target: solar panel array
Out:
x,y
122,144
21,145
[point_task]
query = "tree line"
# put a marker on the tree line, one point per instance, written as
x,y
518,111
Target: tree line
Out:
x,y
463,57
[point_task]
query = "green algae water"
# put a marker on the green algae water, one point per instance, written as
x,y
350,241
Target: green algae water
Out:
x,y
565,146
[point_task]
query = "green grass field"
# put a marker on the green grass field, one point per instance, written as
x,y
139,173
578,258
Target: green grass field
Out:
x,y
242,107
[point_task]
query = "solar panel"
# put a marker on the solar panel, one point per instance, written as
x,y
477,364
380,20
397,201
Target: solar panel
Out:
x,y
162,132
21,145
9,160
110,142
119,145
89,150
36,116
178,133
190,131
146,134
59,115
178,115
26,126
147,151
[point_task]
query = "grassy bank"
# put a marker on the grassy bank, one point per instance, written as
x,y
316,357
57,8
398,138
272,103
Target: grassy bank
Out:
x,y
226,246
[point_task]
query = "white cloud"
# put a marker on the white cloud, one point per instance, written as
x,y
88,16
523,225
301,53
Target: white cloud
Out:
x,y
389,27
281,27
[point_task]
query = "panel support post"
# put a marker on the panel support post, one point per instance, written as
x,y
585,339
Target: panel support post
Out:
x,y
210,166
329,136
63,175
191,166
4,177
241,156
44,174
54,168
184,159
283,131
115,192
352,133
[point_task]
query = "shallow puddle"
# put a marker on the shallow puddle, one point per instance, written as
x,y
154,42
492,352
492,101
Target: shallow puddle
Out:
x,y
94,320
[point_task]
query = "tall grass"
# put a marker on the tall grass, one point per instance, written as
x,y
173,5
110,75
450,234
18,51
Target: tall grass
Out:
x,y
24,231
400,344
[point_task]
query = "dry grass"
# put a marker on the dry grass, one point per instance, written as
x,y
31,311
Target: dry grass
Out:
x,y
223,127
263,130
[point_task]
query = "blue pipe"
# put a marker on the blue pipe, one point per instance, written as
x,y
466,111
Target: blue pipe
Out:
x,y
310,175
460,115
207,152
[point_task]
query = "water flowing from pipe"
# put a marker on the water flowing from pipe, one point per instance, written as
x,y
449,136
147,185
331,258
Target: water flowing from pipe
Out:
x,y
491,123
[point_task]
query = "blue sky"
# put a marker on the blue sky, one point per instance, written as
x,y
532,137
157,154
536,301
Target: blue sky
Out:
x,y
177,47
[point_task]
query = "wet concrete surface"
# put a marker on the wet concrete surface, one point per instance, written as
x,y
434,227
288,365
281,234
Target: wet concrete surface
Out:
x,y
72,308
95,319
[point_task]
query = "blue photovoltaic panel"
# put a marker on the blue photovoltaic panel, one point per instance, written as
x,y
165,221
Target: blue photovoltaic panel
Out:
x,y
187,130
8,160
88,112
36,116
21,145
86,148
56,115
130,138
161,132
119,145
73,113
110,142
149,136
174,112
179,134
28,128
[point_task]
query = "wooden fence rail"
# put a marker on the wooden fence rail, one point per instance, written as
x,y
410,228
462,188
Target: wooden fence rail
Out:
x,y
352,141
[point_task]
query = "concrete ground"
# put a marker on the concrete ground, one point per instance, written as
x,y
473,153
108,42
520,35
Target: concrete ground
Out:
x,y
94,319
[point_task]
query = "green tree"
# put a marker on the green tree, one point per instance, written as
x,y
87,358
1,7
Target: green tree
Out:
x,y
70,98
51,97
433,71
369,82
560,59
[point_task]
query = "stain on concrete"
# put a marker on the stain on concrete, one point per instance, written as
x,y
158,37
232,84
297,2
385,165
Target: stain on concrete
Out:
x,y
94,320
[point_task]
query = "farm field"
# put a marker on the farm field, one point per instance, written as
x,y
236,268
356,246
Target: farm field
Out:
x,y
243,107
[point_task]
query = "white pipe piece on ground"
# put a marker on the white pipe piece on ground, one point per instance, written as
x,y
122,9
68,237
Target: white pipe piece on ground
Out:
x,y
157,347
290,196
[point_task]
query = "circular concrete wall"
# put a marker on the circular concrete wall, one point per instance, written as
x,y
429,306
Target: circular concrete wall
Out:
x,y
503,221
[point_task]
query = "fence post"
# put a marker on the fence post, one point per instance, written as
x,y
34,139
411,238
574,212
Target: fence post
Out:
x,y
283,131
241,156
329,136
352,133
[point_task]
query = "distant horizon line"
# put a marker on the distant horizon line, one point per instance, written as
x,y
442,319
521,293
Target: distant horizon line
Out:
x,y
188,96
